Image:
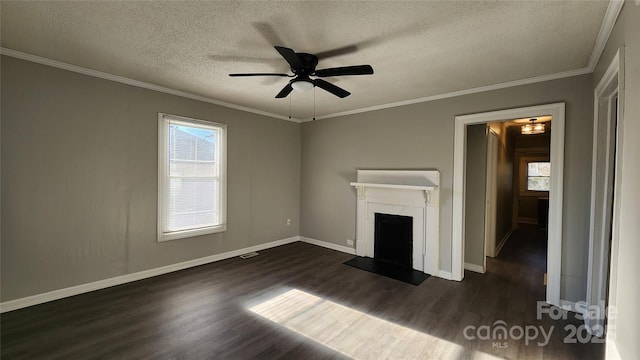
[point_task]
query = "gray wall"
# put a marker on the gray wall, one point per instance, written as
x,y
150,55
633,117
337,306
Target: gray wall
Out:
x,y
625,287
79,174
475,194
79,179
421,136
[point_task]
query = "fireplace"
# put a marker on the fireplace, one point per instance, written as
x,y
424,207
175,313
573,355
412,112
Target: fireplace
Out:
x,y
393,240
402,204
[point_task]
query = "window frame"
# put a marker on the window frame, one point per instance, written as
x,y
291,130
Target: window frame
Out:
x,y
524,175
539,176
164,121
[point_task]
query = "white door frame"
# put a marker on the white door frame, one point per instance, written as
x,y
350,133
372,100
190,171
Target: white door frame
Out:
x,y
554,252
606,163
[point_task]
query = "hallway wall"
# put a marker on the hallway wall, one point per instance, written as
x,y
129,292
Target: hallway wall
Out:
x,y
475,194
504,186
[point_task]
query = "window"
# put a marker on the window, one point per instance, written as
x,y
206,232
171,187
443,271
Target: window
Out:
x,y
191,177
538,176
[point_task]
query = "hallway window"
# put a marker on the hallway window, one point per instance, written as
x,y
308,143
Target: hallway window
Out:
x,y
538,176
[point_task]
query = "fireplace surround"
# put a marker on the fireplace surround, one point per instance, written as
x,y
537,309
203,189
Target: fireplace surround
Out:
x,y
410,193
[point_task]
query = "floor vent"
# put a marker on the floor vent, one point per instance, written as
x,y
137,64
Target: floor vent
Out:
x,y
249,255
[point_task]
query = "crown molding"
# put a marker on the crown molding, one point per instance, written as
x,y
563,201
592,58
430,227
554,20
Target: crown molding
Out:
x,y
480,89
141,84
611,15
609,21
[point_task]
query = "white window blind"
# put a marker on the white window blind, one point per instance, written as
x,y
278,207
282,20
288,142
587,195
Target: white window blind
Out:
x,y
191,177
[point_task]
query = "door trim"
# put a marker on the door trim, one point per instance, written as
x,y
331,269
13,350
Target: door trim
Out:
x,y
610,86
554,252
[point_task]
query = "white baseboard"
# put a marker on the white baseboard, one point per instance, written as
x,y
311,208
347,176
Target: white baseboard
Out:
x,y
345,249
503,241
445,275
474,268
568,305
328,245
571,306
118,280
611,351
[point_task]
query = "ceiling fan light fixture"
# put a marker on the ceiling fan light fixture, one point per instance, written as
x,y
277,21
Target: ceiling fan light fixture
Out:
x,y
302,85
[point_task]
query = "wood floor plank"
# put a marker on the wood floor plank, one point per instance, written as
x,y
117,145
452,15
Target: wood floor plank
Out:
x,y
214,312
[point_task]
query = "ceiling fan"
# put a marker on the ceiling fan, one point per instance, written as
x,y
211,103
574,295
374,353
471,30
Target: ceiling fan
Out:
x,y
303,66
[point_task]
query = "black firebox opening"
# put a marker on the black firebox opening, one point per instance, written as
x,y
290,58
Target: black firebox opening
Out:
x,y
393,240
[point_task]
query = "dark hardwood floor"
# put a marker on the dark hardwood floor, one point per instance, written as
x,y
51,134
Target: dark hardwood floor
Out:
x,y
298,301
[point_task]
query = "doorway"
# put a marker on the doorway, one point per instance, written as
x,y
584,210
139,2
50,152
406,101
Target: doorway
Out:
x,y
506,188
523,182
557,112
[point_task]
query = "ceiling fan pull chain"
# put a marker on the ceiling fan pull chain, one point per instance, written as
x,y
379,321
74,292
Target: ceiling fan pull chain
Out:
x,y
314,103
290,106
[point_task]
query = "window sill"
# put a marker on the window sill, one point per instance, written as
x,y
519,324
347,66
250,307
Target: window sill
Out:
x,y
162,237
537,194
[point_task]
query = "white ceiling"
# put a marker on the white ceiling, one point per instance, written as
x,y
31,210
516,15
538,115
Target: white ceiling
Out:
x,y
417,49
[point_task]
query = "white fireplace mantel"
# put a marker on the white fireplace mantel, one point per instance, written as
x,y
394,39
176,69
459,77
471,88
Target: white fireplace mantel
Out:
x,y
412,193
361,187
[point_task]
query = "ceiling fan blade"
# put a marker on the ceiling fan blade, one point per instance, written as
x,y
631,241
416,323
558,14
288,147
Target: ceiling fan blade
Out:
x,y
291,57
337,52
244,59
268,32
285,91
335,90
345,70
262,74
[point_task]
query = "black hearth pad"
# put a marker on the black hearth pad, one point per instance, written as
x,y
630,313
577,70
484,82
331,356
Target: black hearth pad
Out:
x,y
408,276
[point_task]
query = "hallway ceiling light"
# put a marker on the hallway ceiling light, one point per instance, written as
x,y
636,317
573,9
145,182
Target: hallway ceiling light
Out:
x,y
532,128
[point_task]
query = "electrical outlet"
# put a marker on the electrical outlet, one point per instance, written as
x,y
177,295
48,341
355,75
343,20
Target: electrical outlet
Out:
x,y
349,242
288,222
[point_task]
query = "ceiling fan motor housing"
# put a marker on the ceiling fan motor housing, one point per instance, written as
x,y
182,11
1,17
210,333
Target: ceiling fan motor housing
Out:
x,y
309,63
302,82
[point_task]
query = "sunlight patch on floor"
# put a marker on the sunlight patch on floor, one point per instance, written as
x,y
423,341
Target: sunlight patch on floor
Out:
x,y
351,332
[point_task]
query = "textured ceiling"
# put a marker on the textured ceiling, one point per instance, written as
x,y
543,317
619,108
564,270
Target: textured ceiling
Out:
x,y
417,49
